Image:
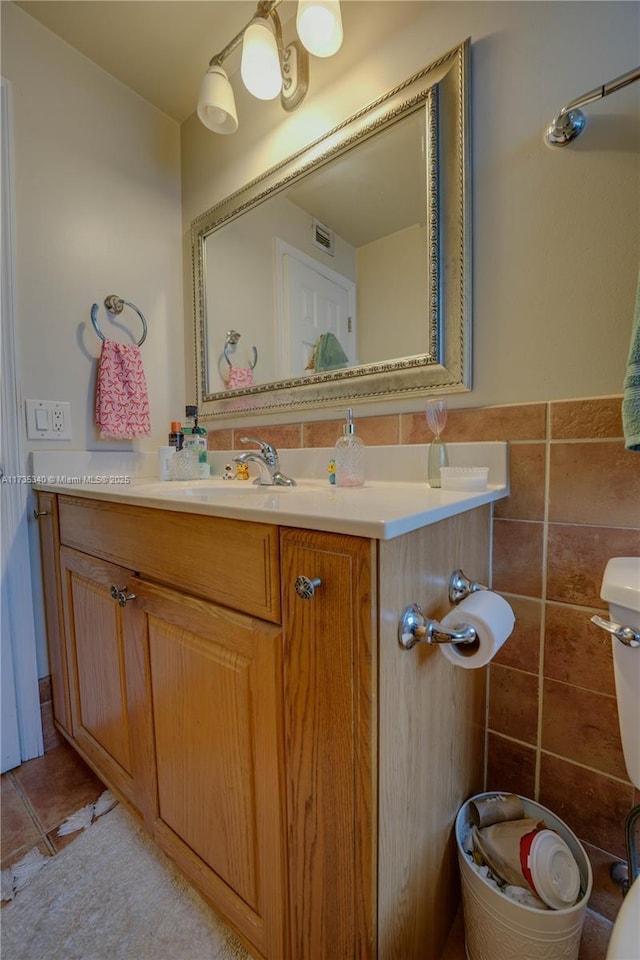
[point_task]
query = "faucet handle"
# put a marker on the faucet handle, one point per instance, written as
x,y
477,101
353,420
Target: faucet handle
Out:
x,y
266,449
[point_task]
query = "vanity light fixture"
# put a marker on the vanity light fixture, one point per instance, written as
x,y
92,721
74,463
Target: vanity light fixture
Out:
x,y
216,103
319,26
268,68
260,66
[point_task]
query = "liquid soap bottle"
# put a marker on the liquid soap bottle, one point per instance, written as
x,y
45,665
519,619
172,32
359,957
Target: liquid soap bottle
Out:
x,y
349,456
195,438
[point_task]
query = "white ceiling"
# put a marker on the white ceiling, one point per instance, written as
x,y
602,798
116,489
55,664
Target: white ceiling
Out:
x,y
159,48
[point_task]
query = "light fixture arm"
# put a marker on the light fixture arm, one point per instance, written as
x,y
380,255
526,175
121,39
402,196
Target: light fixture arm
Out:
x,y
294,66
264,8
294,59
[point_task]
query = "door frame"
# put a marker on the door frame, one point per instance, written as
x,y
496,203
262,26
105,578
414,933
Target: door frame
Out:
x,y
22,739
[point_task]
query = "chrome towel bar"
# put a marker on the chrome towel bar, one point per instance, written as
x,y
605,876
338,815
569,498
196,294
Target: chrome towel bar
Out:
x,y
570,122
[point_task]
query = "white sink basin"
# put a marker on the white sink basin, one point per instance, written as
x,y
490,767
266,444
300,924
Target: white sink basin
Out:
x,y
204,489
625,937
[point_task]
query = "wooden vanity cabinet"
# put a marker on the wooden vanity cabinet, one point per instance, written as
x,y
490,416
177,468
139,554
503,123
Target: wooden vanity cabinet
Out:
x,y
102,675
175,699
46,512
330,746
300,767
212,735
382,744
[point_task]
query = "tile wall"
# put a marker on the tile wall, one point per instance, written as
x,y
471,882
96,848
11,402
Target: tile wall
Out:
x,y
575,501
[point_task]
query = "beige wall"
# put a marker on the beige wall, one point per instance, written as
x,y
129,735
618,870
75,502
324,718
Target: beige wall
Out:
x,y
97,202
391,270
556,237
97,211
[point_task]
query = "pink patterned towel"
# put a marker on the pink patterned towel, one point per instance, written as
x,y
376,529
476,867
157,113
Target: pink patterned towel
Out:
x,y
122,403
240,377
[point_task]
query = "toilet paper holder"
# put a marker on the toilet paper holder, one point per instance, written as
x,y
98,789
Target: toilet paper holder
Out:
x,y
414,627
460,586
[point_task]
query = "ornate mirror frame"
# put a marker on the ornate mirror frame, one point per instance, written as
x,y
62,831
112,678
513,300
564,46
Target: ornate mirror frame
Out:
x,y
442,90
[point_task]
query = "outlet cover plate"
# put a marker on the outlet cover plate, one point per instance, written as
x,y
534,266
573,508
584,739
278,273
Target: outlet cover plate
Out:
x,y
48,419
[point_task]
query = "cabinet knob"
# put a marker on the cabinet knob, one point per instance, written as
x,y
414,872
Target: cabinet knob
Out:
x,y
121,595
305,588
40,513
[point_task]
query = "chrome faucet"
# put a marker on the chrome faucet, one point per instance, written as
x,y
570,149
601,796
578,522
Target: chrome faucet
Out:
x,y
268,464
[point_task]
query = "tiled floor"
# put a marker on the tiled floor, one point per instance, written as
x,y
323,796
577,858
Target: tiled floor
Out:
x,y
38,796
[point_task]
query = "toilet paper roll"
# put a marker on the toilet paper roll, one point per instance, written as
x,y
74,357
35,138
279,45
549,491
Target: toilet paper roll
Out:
x,y
491,617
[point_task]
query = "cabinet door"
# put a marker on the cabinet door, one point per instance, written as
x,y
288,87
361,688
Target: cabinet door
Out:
x,y
102,672
215,729
330,745
47,511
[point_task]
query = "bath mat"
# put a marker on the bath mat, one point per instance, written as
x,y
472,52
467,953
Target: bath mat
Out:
x,y
112,895
15,878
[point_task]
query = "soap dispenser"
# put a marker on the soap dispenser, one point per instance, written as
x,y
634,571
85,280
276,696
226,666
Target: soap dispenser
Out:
x,y
349,456
196,439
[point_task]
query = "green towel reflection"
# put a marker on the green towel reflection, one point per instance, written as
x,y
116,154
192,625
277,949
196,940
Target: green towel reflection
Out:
x,y
329,355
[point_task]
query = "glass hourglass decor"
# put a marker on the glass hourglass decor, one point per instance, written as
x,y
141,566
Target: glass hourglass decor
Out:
x,y
436,413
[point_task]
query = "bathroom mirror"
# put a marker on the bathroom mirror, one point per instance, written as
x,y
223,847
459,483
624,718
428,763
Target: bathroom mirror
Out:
x,y
342,275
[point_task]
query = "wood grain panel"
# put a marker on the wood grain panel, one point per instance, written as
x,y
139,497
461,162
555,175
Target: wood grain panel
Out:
x,y
229,561
97,658
431,739
330,745
47,503
215,685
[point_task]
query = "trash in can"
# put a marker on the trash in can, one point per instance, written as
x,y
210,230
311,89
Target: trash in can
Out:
x,y
525,892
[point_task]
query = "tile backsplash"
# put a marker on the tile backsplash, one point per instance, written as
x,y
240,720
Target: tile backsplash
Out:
x,y
552,729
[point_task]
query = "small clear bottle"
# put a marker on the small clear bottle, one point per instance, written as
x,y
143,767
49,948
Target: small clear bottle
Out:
x,y
349,456
437,457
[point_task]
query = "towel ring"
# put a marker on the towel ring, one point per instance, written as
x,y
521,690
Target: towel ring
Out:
x,y
231,340
115,304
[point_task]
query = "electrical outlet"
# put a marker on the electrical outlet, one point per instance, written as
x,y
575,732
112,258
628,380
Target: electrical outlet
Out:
x,y
48,419
57,420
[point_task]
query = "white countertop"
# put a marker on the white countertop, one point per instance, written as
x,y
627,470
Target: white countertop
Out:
x,y
381,509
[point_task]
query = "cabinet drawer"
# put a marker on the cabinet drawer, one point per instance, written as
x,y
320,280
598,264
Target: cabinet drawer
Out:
x,y
233,562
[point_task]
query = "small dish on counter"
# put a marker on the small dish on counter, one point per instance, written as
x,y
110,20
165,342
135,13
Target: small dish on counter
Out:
x,y
464,478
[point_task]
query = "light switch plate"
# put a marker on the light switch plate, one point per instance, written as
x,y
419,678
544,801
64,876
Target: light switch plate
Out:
x,y
48,419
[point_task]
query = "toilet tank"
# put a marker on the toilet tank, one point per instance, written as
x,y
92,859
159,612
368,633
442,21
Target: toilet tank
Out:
x,y
621,590
621,586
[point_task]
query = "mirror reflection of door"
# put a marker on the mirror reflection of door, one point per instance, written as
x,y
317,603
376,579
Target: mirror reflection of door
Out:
x,y
314,301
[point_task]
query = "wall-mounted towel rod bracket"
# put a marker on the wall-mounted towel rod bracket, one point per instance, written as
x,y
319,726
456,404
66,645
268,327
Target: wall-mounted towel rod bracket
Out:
x,y
570,122
115,304
414,627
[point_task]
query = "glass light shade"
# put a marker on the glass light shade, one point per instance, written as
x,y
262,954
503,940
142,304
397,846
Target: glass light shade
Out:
x,y
319,26
260,65
216,103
